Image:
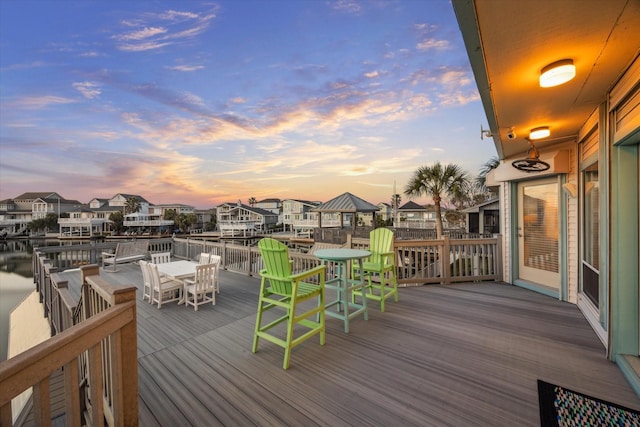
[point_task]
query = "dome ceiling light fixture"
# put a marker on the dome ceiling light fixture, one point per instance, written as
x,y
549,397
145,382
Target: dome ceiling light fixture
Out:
x,y
557,73
539,132
532,163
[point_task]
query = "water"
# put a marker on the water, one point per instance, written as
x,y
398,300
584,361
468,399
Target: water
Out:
x,y
16,279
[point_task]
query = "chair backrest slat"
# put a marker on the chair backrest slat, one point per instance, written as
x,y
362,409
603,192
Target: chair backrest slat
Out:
x,y
205,277
275,256
161,258
380,241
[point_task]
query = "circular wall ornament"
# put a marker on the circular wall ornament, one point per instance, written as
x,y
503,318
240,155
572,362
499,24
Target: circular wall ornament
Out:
x,y
530,165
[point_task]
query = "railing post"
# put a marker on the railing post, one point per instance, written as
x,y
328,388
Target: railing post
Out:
x,y
124,347
224,253
445,257
498,261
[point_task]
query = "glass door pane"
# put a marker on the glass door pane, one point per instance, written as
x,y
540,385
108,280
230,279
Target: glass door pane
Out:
x,y
538,232
591,236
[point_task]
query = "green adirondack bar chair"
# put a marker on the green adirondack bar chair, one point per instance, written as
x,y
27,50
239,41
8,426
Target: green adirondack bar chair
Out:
x,y
381,263
281,289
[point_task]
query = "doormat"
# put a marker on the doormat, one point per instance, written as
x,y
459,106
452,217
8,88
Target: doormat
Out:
x,y
563,407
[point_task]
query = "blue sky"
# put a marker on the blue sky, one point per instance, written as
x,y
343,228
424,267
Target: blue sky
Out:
x,y
208,102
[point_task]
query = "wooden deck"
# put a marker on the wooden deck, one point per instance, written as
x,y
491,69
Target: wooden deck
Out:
x,y
464,354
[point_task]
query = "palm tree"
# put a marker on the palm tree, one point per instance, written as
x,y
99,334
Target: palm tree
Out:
x,y
481,179
437,181
252,201
132,205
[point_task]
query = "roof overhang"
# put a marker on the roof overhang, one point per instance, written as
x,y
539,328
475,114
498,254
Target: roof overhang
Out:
x,y
509,43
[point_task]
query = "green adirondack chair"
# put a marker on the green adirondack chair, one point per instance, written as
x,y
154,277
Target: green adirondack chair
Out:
x,y
281,289
381,263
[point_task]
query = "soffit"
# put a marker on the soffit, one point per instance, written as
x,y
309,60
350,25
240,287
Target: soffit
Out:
x,y
519,38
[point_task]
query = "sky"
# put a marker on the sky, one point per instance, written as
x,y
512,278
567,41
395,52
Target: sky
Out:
x,y
207,102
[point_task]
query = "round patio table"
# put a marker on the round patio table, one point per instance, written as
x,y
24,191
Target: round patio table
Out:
x,y
343,284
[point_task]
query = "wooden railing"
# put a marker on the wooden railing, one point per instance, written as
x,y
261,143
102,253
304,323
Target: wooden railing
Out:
x,y
418,261
422,261
75,256
98,358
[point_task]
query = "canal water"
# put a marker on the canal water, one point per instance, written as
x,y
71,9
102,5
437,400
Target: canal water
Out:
x,y
16,279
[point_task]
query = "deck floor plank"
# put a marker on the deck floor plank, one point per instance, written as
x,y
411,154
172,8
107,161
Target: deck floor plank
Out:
x,y
462,354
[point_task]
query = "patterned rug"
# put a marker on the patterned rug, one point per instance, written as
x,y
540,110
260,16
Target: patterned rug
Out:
x,y
563,407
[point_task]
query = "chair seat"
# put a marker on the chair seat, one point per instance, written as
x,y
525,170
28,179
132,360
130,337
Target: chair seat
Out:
x,y
304,290
376,267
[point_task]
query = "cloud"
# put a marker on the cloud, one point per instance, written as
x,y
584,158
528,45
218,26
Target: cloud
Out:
x,y
90,54
347,6
40,102
87,89
34,64
186,67
371,74
158,30
140,47
145,33
433,44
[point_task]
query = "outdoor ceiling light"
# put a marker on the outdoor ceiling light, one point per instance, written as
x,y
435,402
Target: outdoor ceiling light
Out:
x,y
557,73
539,133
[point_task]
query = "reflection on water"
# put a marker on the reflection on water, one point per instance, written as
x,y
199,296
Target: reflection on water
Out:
x,y
16,278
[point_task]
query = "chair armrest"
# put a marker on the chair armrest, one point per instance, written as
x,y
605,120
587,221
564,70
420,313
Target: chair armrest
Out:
x,y
188,281
388,254
308,273
108,254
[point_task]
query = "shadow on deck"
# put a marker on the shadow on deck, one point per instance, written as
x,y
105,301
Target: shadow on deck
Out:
x,y
462,354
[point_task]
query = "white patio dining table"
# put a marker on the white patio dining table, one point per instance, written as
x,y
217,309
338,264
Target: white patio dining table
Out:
x,y
178,270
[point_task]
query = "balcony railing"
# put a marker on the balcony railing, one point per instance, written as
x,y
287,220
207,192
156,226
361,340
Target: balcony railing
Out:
x,y
93,355
417,261
148,223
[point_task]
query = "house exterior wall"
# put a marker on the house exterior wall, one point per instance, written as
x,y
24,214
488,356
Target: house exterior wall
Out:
x,y
573,252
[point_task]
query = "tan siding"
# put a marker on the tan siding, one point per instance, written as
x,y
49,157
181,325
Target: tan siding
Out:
x,y
506,243
573,252
590,145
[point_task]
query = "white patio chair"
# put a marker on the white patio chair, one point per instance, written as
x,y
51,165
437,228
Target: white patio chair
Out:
x,y
163,291
216,259
161,258
205,258
201,289
146,281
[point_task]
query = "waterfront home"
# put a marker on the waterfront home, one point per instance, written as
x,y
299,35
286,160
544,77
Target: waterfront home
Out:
x,y
413,215
385,211
298,216
569,151
238,219
483,218
271,205
18,212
